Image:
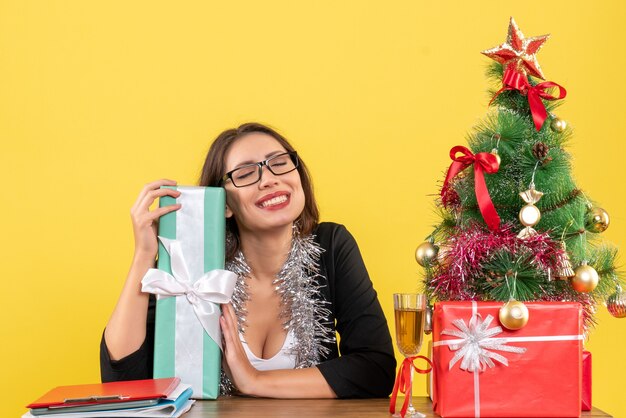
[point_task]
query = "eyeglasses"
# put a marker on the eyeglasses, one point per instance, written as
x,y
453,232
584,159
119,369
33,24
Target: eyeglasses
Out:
x,y
249,174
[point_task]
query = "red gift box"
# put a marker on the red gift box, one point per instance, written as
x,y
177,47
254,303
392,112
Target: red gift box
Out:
x,y
586,393
483,369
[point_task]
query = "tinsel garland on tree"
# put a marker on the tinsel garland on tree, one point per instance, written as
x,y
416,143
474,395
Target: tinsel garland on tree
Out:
x,y
542,259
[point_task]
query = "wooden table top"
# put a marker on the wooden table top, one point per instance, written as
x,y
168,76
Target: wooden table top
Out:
x,y
241,407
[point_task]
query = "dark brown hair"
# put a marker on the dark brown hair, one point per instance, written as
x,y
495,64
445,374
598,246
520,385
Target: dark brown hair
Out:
x,y
215,167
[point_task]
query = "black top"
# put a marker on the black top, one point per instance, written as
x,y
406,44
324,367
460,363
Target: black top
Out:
x,y
366,367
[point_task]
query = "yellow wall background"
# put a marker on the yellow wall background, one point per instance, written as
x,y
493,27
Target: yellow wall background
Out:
x,y
98,98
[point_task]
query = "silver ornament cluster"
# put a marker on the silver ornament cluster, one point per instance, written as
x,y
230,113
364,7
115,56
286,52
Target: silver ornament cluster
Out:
x,y
240,295
303,309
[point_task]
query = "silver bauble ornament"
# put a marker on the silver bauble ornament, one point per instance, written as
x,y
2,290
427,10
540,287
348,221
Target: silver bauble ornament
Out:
x,y
596,220
616,303
585,278
513,315
426,253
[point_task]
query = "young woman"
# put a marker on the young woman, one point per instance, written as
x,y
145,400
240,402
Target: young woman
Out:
x,y
299,283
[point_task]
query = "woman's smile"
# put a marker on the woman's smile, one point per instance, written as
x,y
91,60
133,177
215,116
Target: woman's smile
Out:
x,y
274,201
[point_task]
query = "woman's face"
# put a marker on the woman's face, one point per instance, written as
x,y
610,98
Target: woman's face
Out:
x,y
274,201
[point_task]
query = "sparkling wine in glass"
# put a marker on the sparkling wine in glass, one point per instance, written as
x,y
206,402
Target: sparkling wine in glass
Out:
x,y
410,310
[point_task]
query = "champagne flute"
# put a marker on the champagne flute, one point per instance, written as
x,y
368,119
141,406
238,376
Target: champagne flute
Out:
x,y
409,309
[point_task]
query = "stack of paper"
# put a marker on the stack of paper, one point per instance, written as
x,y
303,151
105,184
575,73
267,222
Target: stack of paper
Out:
x,y
159,398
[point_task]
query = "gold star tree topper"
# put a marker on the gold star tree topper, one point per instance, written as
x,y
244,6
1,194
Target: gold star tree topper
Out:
x,y
518,53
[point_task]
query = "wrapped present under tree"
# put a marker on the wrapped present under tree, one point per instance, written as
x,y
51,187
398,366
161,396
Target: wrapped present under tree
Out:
x,y
483,369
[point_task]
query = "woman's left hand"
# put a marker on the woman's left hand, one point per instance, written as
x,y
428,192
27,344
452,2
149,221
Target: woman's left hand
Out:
x,y
238,367
288,383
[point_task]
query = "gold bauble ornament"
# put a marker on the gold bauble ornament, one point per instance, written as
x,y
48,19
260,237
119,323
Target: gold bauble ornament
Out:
x,y
426,253
558,125
513,315
596,220
585,278
494,152
616,303
443,255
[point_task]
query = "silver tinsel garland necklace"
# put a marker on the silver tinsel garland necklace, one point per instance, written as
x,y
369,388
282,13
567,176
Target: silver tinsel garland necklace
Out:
x,y
303,309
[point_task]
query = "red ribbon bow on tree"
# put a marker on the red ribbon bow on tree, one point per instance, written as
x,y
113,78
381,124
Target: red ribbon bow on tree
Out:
x,y
404,384
514,80
483,162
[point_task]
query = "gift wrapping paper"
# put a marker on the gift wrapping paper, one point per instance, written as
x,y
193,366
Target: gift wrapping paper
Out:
x,y
182,347
543,380
586,392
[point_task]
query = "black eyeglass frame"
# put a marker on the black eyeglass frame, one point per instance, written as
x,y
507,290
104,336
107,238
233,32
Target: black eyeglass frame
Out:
x,y
292,154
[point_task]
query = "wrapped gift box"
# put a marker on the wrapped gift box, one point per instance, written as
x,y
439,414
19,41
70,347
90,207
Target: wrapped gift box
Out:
x,y
190,284
586,393
541,374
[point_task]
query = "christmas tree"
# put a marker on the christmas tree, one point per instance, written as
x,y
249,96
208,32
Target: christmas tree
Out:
x,y
514,225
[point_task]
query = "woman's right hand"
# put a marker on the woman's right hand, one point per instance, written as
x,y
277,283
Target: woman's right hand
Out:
x,y
126,330
145,221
